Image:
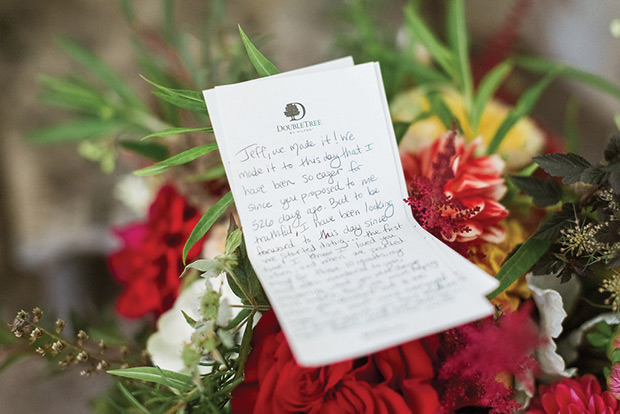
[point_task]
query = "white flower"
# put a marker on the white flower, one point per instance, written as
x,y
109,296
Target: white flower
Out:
x,y
134,193
166,345
550,307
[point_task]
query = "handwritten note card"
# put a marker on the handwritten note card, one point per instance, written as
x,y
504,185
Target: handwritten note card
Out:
x,y
314,170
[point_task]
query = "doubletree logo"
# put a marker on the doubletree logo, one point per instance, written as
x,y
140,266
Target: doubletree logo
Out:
x,y
295,111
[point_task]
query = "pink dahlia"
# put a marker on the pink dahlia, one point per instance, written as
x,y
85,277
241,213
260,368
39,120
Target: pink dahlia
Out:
x,y
455,195
581,395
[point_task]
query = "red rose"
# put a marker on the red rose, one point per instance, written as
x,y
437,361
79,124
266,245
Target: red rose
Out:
x,y
391,381
150,261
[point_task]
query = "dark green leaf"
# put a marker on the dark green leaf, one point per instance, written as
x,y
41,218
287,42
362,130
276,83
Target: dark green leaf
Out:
x,y
486,89
179,159
75,131
568,166
102,71
150,150
614,181
547,265
614,262
593,175
550,228
520,262
524,106
176,131
207,221
262,65
544,191
612,150
242,278
157,375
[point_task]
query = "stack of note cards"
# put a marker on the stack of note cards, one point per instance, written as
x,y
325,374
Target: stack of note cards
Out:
x,y
316,177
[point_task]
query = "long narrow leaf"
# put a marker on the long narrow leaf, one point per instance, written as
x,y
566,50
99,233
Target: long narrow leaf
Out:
x,y
183,98
157,375
442,55
179,159
150,150
132,399
520,262
457,34
215,172
176,131
262,65
102,71
206,222
442,110
524,106
540,65
487,88
74,131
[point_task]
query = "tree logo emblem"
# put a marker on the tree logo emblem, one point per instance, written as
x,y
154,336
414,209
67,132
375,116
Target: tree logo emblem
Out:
x,y
295,111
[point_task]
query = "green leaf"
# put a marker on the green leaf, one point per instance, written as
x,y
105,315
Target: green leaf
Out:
x,y
262,65
102,71
442,55
244,313
74,131
457,30
131,398
615,356
544,191
612,150
203,266
550,228
179,159
157,375
176,131
150,150
400,129
443,111
215,172
568,166
207,221
183,98
233,241
488,85
594,175
604,328
598,340
190,321
524,106
541,65
520,262
242,277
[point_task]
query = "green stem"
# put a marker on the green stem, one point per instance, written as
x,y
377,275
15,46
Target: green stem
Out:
x,y
246,347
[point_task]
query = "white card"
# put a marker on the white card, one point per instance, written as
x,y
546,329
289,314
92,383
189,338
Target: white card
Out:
x,y
317,182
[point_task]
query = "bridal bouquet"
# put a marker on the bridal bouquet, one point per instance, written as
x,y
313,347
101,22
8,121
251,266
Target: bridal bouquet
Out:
x,y
483,177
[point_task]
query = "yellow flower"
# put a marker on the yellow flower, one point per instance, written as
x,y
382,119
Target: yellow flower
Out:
x,y
522,142
494,256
